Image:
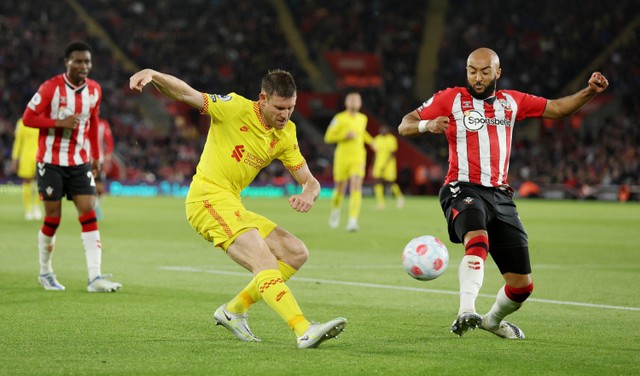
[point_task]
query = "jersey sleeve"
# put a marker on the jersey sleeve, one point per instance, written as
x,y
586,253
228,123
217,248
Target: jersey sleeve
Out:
x,y
34,115
335,131
93,124
218,106
394,145
108,137
529,106
436,105
368,139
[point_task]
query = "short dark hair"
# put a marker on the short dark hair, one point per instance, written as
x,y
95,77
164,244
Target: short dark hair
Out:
x,y
280,83
76,46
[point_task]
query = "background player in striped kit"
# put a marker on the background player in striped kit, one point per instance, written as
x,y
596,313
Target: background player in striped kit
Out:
x,y
476,199
65,109
105,140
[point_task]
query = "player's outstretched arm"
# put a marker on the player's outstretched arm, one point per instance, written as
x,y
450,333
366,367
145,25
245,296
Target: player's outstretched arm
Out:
x,y
303,202
168,85
563,107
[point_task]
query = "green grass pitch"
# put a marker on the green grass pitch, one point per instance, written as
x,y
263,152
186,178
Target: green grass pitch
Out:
x,y
583,317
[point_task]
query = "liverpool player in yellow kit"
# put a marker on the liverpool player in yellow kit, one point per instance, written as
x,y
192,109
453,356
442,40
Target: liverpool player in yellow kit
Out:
x,y
23,162
348,129
244,137
385,169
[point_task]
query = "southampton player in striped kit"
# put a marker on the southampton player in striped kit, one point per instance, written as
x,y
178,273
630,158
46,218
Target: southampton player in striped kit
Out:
x,y
105,142
65,109
244,137
476,199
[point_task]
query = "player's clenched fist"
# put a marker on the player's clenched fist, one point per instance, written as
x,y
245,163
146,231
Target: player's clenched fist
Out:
x,y
300,204
598,83
438,125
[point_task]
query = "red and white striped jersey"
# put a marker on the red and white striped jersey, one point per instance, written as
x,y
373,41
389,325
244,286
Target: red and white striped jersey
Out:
x,y
105,138
480,131
58,98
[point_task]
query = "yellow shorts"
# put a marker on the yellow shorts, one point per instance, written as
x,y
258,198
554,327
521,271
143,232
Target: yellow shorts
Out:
x,y
344,170
27,167
388,173
223,218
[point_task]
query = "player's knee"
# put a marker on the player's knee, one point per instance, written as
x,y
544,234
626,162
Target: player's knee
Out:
x,y
297,253
519,294
470,222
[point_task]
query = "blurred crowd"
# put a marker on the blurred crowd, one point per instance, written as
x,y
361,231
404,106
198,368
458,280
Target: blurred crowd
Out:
x,y
223,46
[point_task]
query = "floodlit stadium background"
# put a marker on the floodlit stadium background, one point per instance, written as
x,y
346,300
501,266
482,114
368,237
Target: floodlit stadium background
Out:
x,y
396,53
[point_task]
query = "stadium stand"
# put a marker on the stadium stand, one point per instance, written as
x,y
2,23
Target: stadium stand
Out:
x,y
543,48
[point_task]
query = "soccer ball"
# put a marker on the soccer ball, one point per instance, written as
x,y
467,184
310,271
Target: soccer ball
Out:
x,y
425,258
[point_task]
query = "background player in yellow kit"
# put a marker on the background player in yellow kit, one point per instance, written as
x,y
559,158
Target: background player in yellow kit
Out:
x,y
348,129
385,169
23,162
244,137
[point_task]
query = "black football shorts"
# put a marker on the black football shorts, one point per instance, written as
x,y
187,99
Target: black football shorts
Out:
x,y
468,207
54,182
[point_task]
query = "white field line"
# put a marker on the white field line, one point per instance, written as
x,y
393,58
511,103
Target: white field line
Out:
x,y
190,269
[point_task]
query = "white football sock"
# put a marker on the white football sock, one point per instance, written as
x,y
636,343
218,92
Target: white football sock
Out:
x,y
470,275
45,251
501,308
93,252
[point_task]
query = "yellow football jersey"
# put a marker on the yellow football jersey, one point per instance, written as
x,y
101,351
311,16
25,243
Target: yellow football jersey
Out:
x,y
351,150
239,144
25,148
385,146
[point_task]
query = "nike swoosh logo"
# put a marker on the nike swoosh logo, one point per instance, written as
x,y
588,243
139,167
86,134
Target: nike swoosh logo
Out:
x,y
227,316
280,296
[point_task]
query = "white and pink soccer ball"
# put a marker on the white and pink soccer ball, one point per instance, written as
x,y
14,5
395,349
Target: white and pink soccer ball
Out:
x,y
425,258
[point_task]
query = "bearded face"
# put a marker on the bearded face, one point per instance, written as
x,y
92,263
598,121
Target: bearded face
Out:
x,y
482,91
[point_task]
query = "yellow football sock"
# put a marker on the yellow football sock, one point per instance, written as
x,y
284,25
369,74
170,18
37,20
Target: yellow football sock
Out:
x,y
378,190
395,189
280,298
355,202
27,196
336,199
250,294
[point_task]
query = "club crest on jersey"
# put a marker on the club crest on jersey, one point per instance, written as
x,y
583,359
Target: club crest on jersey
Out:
x,y
505,104
49,191
237,152
468,200
272,146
